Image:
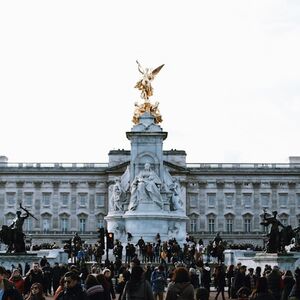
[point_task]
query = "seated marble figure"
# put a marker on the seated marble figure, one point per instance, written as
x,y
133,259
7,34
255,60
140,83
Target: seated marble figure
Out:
x,y
145,187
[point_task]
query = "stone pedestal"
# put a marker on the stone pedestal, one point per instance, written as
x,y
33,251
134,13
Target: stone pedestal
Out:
x,y
253,259
8,259
283,261
52,255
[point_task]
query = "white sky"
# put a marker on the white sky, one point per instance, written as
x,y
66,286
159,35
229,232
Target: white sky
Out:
x,y
229,91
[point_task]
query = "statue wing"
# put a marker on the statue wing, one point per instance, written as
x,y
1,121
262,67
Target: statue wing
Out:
x,y
125,180
140,68
156,71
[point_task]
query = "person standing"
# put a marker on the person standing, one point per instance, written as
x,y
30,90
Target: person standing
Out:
x,y
180,285
158,282
137,287
72,289
7,290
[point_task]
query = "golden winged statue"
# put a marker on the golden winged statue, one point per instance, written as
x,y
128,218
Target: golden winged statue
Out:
x,y
144,84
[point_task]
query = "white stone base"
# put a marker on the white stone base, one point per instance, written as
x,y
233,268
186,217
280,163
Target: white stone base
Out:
x,y
253,259
147,225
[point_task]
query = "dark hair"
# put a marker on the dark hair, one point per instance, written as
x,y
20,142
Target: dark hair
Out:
x,y
161,268
136,276
39,295
181,274
72,275
90,281
2,270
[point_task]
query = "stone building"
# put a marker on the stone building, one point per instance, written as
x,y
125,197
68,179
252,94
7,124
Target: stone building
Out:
x,y
225,198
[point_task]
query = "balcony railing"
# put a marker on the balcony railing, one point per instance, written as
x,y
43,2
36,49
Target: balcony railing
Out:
x,y
23,165
242,165
53,165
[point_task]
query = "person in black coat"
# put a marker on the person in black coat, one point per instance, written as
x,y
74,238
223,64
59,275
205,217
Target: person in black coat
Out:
x,y
94,290
73,289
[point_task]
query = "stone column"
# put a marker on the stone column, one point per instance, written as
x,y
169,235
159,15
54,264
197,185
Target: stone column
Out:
x,y
220,205
202,205
91,226
256,205
274,196
73,209
37,204
20,185
238,206
2,201
55,205
292,203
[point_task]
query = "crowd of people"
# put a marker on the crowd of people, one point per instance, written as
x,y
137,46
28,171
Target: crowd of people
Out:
x,y
148,281
160,270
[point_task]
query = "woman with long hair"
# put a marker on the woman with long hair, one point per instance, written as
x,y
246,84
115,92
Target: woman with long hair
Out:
x,y
180,285
36,292
137,287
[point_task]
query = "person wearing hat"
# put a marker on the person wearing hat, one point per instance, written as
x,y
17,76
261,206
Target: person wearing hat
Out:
x,y
107,275
158,282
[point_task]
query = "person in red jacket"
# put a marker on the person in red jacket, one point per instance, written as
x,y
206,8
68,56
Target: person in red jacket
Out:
x,y
7,290
17,280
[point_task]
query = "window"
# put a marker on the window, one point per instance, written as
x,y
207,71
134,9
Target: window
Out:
x,y
46,199
229,225
211,199
46,225
11,199
264,229
247,225
247,199
82,200
265,200
64,199
193,200
9,220
193,225
211,225
100,222
28,199
64,224
283,200
28,224
229,200
82,225
99,200
284,220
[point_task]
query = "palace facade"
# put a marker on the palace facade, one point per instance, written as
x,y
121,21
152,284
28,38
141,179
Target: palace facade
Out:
x,y
225,198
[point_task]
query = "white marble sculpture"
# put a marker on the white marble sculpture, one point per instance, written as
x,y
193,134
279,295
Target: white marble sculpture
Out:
x,y
145,187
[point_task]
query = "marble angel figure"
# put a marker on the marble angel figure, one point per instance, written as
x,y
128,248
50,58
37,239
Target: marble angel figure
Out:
x,y
144,84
